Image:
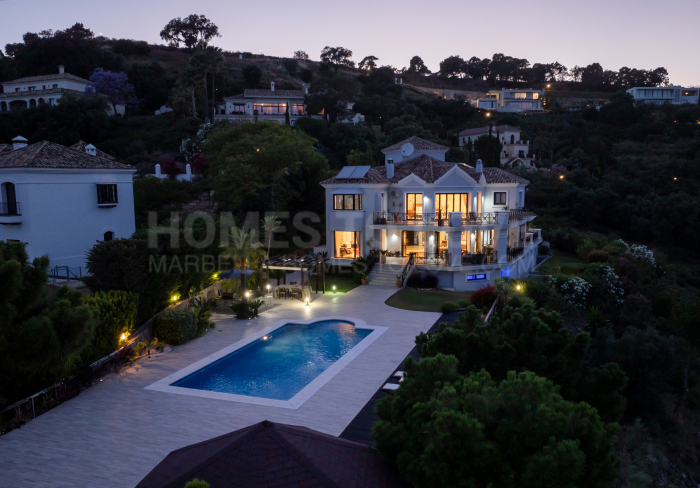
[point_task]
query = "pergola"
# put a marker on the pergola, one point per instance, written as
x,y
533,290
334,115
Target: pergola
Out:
x,y
293,263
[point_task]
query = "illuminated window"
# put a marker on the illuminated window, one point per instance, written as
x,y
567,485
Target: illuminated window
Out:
x,y
347,245
297,109
478,277
270,108
414,206
238,108
535,96
450,202
520,95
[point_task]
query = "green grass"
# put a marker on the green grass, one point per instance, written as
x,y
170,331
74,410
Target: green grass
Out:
x,y
558,258
425,300
343,284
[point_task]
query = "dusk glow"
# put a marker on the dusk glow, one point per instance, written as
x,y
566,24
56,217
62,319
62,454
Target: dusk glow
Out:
x,y
639,34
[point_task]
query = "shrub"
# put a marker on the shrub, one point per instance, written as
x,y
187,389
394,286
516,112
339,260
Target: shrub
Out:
x,y
448,307
463,303
598,257
538,291
484,296
197,483
127,47
422,279
572,289
430,280
255,306
574,269
442,429
116,312
545,250
240,309
175,327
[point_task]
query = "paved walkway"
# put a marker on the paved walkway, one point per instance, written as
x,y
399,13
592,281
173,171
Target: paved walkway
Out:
x,y
114,433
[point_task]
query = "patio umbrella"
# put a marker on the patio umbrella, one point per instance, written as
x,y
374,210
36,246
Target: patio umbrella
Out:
x,y
272,454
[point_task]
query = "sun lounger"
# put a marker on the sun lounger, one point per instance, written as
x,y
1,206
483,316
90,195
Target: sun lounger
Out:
x,y
390,387
398,374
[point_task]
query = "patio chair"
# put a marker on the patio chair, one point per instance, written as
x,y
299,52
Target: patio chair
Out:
x,y
296,292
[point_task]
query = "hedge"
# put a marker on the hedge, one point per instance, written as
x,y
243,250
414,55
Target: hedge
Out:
x,y
175,327
116,312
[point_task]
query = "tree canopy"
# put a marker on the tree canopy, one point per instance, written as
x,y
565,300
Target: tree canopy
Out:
x,y
337,57
194,31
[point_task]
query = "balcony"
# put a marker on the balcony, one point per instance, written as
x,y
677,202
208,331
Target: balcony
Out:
x,y
443,258
403,218
520,214
10,213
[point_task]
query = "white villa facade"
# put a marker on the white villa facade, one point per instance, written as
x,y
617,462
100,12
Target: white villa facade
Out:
x,y
265,104
511,100
34,91
466,224
516,151
61,200
661,95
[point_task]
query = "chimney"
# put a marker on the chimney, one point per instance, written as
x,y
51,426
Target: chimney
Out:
x,y
18,143
158,171
272,86
306,89
61,69
479,166
389,168
188,172
91,150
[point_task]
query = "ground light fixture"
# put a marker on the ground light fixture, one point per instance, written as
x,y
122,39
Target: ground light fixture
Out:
x,y
174,298
517,287
333,288
268,287
561,177
307,301
123,337
247,294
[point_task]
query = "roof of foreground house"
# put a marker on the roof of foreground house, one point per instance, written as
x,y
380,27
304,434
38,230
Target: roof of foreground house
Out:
x,y
271,454
417,143
47,154
56,76
429,170
5,148
482,130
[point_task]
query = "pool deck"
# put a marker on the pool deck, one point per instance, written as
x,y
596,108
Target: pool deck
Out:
x,y
114,433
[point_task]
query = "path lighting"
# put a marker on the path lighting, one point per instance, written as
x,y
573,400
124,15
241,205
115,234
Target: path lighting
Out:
x,y
123,337
174,298
517,287
307,301
265,338
333,288
561,177
268,287
488,114
247,294
674,178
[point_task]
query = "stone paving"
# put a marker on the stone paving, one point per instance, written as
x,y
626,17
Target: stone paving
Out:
x,y
114,433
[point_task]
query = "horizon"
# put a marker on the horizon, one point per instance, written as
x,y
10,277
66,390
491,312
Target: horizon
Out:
x,y
612,35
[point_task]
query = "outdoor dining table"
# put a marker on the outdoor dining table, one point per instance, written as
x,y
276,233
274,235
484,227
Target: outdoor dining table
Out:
x,y
287,290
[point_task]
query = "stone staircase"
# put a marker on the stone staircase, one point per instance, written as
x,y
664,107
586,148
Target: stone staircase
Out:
x,y
384,274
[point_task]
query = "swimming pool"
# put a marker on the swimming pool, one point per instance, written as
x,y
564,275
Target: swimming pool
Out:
x,y
282,365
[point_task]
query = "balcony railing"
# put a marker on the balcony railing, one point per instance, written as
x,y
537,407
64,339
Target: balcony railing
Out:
x,y
11,208
411,218
515,252
443,258
473,218
475,258
519,214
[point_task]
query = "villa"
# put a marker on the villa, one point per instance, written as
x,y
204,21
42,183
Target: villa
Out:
x,y
516,151
61,200
466,224
661,95
511,100
265,104
34,91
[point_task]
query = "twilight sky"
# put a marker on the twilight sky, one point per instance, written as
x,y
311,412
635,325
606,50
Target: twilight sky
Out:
x,y
635,33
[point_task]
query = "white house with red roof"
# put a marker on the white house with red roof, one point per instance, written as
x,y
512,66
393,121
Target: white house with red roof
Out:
x,y
61,200
467,224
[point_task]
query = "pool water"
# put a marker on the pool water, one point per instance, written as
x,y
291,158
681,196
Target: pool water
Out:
x,y
281,364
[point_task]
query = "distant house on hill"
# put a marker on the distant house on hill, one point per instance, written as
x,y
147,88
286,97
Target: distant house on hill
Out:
x,y
661,95
34,91
61,200
516,151
511,100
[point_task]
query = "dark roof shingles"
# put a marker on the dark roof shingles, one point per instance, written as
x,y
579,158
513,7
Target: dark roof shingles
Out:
x,y
273,94
56,76
47,154
417,143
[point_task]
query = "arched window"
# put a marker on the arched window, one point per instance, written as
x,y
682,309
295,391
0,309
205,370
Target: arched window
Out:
x,y
512,138
109,235
9,200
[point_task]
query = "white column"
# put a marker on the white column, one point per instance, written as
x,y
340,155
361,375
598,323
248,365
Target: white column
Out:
x,y
158,170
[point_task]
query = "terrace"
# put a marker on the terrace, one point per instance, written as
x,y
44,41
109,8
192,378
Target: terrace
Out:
x,y
440,219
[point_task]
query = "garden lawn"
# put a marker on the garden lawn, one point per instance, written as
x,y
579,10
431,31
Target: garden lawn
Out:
x,y
343,284
558,258
425,300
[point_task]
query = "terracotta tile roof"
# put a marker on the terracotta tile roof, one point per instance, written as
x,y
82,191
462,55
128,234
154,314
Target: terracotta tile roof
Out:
x,y
36,93
271,454
427,169
47,154
485,130
274,94
57,76
80,147
418,143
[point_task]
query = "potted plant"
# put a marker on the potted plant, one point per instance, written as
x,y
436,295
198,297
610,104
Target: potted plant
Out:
x,y
399,281
382,219
382,256
363,278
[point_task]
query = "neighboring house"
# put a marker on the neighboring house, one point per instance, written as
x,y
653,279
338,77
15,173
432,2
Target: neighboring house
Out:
x,y
41,90
466,224
511,100
61,200
662,95
266,104
516,151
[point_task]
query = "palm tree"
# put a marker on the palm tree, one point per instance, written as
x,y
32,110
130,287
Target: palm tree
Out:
x,y
244,249
190,78
270,225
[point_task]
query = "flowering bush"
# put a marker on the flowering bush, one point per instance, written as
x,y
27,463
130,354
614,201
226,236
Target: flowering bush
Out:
x,y
613,284
192,147
572,289
640,252
558,169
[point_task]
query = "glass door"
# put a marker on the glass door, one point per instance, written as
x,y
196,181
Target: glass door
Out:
x,y
414,206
